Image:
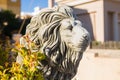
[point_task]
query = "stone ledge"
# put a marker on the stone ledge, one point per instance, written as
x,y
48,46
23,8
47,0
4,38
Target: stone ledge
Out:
x,y
103,53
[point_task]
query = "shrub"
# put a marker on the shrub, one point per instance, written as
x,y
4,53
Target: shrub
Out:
x,y
27,70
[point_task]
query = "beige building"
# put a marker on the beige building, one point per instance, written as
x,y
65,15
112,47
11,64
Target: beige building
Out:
x,y
13,5
100,17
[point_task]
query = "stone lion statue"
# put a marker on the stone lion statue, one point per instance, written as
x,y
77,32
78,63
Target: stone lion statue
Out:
x,y
61,37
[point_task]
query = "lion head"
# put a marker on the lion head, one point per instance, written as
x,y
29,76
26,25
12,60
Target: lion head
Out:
x,y
58,34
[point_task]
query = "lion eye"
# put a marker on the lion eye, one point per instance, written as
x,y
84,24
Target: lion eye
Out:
x,y
75,23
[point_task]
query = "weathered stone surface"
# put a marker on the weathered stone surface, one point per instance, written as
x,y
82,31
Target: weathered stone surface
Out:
x,y
61,38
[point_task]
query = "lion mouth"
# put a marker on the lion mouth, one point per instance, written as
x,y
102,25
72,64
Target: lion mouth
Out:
x,y
82,44
85,41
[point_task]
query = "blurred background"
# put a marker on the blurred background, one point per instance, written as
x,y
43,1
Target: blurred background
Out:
x,y
101,18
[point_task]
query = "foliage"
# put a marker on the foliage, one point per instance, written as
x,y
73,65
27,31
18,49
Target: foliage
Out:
x,y
3,55
8,22
5,49
10,16
28,69
11,24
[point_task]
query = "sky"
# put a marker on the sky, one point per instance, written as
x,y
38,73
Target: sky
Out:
x,y
29,5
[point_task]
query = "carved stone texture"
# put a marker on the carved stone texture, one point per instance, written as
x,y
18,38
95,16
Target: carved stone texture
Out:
x,y
61,37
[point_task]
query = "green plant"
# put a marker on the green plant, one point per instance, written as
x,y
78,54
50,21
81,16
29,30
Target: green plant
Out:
x,y
28,69
4,52
3,56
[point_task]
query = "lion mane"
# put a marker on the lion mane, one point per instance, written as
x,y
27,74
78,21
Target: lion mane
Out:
x,y
61,37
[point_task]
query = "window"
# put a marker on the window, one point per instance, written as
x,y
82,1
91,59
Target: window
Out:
x,y
13,0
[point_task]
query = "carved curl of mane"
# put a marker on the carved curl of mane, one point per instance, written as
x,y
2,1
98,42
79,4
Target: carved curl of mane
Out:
x,y
45,30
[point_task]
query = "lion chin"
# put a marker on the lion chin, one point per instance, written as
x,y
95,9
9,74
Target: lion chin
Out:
x,y
61,38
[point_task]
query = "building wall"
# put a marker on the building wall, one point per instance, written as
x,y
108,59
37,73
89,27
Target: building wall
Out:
x,y
3,4
112,12
95,13
90,13
14,5
73,2
100,17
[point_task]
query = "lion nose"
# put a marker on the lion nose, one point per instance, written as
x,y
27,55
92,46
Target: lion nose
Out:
x,y
85,36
